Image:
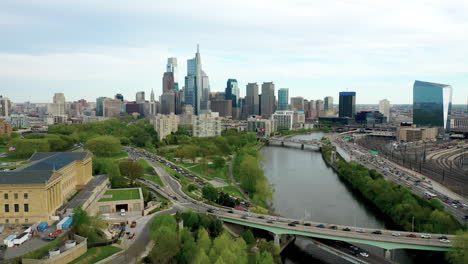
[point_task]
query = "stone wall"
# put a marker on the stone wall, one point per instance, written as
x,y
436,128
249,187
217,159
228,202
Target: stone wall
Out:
x,y
65,257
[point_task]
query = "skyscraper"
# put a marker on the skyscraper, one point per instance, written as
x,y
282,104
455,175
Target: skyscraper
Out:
x,y
100,106
384,108
193,82
267,107
347,104
252,99
119,96
140,97
205,97
283,99
5,106
168,81
172,67
328,103
297,103
432,105
232,92
59,98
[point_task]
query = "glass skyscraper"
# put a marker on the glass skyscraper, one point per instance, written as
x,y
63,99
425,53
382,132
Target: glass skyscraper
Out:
x,y
283,99
193,82
432,105
232,92
347,104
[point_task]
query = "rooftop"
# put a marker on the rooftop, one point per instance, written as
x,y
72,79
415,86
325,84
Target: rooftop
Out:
x,y
121,194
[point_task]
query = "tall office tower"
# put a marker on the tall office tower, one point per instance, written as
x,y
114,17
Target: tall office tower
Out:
x,y
283,99
140,97
223,107
347,104
384,108
319,107
75,109
432,105
172,67
59,98
5,106
205,98
328,103
168,102
168,81
297,103
57,108
267,107
152,96
119,96
193,82
252,99
232,92
99,106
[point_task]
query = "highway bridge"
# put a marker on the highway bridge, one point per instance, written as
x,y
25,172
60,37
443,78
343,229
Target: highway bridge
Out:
x,y
297,142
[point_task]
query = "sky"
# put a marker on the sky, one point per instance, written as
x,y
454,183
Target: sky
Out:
x,y
87,48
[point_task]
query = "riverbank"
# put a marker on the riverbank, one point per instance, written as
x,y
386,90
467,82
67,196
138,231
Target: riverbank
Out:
x,y
405,209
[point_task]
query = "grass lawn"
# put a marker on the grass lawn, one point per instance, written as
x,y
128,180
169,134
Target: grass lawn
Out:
x,y
129,194
232,191
96,254
210,172
11,159
175,174
155,179
3,149
148,168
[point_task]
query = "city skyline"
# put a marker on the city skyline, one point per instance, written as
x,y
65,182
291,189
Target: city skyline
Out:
x,y
103,56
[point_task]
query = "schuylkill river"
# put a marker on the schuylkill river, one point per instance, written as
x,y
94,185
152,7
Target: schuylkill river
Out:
x,y
306,187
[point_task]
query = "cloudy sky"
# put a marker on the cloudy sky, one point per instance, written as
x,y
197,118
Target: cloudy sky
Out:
x,y
90,48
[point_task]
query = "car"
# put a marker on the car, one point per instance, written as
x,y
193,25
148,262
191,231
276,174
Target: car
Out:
x,y
296,222
411,235
122,212
360,230
56,233
244,217
333,227
364,254
444,241
320,226
270,221
346,229
454,206
395,234
133,224
307,224
49,238
231,211
210,210
442,237
291,224
377,232
426,236
261,217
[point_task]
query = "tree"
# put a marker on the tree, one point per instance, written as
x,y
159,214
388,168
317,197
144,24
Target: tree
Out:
x,y
215,227
269,246
264,257
210,193
24,148
104,146
219,162
160,221
459,252
249,171
203,240
132,170
191,219
188,249
115,178
166,245
249,237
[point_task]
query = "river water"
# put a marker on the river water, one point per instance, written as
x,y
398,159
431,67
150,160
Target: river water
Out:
x,y
305,188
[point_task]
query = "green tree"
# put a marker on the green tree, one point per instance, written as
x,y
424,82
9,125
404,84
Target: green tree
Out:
x,y
24,148
215,227
459,252
264,257
219,162
210,193
132,170
166,245
115,178
160,221
203,240
249,237
191,219
269,246
104,146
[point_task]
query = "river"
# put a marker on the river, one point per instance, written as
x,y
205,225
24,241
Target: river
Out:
x,y
306,188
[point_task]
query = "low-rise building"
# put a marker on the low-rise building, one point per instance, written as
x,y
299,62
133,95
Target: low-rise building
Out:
x,y
263,127
165,124
298,119
284,119
34,193
206,125
116,200
412,133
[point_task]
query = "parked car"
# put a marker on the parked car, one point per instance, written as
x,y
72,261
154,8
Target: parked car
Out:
x,y
56,233
134,223
231,211
49,238
210,210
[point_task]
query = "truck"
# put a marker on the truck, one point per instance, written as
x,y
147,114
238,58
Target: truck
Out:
x,y
65,223
42,226
2,227
23,237
9,240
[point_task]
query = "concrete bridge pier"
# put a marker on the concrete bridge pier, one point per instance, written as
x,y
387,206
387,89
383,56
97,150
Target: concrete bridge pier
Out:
x,y
277,240
388,254
302,146
282,241
282,143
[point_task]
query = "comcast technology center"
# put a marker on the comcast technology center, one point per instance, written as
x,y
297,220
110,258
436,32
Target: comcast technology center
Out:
x,y
432,105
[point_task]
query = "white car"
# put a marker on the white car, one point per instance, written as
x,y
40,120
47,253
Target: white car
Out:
x,y
364,254
395,234
454,206
425,236
444,241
